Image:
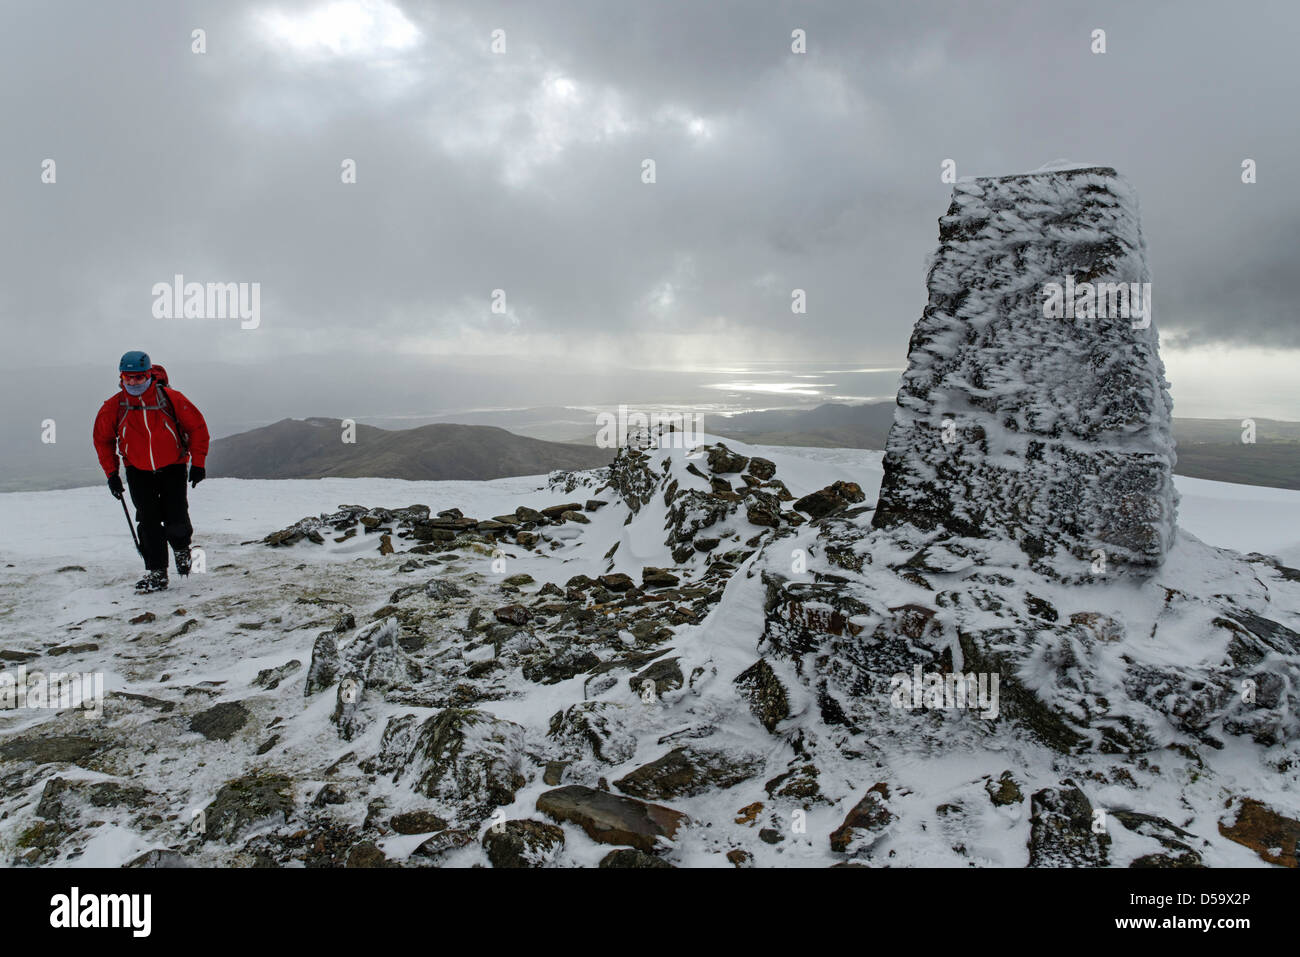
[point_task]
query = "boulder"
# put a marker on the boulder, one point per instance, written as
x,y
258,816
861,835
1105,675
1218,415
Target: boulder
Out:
x,y
245,803
767,696
652,577
1061,830
687,771
517,844
1271,835
468,759
865,823
630,857
610,818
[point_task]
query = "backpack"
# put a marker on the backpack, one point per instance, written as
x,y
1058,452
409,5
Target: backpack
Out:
x,y
164,406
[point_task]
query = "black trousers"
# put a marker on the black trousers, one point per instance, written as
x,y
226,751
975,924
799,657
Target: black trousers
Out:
x,y
162,511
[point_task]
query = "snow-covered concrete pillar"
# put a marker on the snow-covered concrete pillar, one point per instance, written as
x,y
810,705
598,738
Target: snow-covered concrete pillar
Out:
x,y
1035,404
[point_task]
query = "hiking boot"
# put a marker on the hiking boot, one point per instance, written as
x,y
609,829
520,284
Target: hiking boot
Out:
x,y
183,560
155,580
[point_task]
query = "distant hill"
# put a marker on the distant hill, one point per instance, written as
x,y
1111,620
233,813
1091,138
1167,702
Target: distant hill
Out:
x,y
1207,448
313,448
827,426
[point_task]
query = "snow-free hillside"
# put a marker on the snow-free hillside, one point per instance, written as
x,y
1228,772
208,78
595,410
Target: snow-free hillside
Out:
x,y
324,703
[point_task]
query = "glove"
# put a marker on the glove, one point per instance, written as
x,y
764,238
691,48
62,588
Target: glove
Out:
x,y
197,474
115,485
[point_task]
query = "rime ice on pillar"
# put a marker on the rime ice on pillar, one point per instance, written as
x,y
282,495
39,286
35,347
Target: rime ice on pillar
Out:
x,y
1063,436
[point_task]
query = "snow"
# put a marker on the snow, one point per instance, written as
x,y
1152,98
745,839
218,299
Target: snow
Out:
x,y
247,582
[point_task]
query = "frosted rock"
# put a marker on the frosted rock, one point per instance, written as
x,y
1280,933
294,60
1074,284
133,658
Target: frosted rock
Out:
x,y
1053,432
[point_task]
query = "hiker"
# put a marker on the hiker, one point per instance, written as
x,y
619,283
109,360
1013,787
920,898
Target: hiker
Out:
x,y
157,430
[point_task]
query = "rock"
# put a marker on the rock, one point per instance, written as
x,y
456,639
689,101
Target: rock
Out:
x,y
385,546
833,497
270,678
522,843
724,461
437,589
324,663
330,794
516,615
762,469
566,664
1040,608
480,668
1271,835
222,721
144,619
631,857
797,784
555,511
416,822
255,800
611,819
770,835
468,759
159,857
1178,852
764,509
665,673
658,578
866,823
366,854
1053,433
595,725
449,840
72,649
347,706
687,771
527,539
767,696
525,514
1005,791
739,857
1061,830
183,629
617,582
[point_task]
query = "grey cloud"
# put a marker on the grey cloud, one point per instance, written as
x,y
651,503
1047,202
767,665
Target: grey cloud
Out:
x,y
818,172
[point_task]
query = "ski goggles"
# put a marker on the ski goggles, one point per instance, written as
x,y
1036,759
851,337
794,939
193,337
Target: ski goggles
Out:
x,y
136,376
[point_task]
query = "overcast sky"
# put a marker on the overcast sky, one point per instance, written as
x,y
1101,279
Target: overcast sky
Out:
x,y
522,171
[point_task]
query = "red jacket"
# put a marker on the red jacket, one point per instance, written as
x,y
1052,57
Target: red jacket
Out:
x,y
146,436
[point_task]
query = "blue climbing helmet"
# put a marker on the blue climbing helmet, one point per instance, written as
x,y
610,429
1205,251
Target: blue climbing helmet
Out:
x,y
135,361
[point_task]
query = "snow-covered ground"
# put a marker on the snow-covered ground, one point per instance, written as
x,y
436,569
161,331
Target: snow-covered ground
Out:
x,y
260,608
86,524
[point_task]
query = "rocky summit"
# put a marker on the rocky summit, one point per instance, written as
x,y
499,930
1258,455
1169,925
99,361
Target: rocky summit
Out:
x,y
728,655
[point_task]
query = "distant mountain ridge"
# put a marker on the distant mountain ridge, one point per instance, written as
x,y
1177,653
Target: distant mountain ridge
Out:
x,y
1206,448
314,448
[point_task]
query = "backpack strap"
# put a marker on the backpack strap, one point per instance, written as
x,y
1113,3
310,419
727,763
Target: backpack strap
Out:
x,y
164,405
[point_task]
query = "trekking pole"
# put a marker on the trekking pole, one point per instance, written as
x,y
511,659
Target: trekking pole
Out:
x,y
131,526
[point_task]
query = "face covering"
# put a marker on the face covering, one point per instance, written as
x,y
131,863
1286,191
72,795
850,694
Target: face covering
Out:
x,y
137,389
